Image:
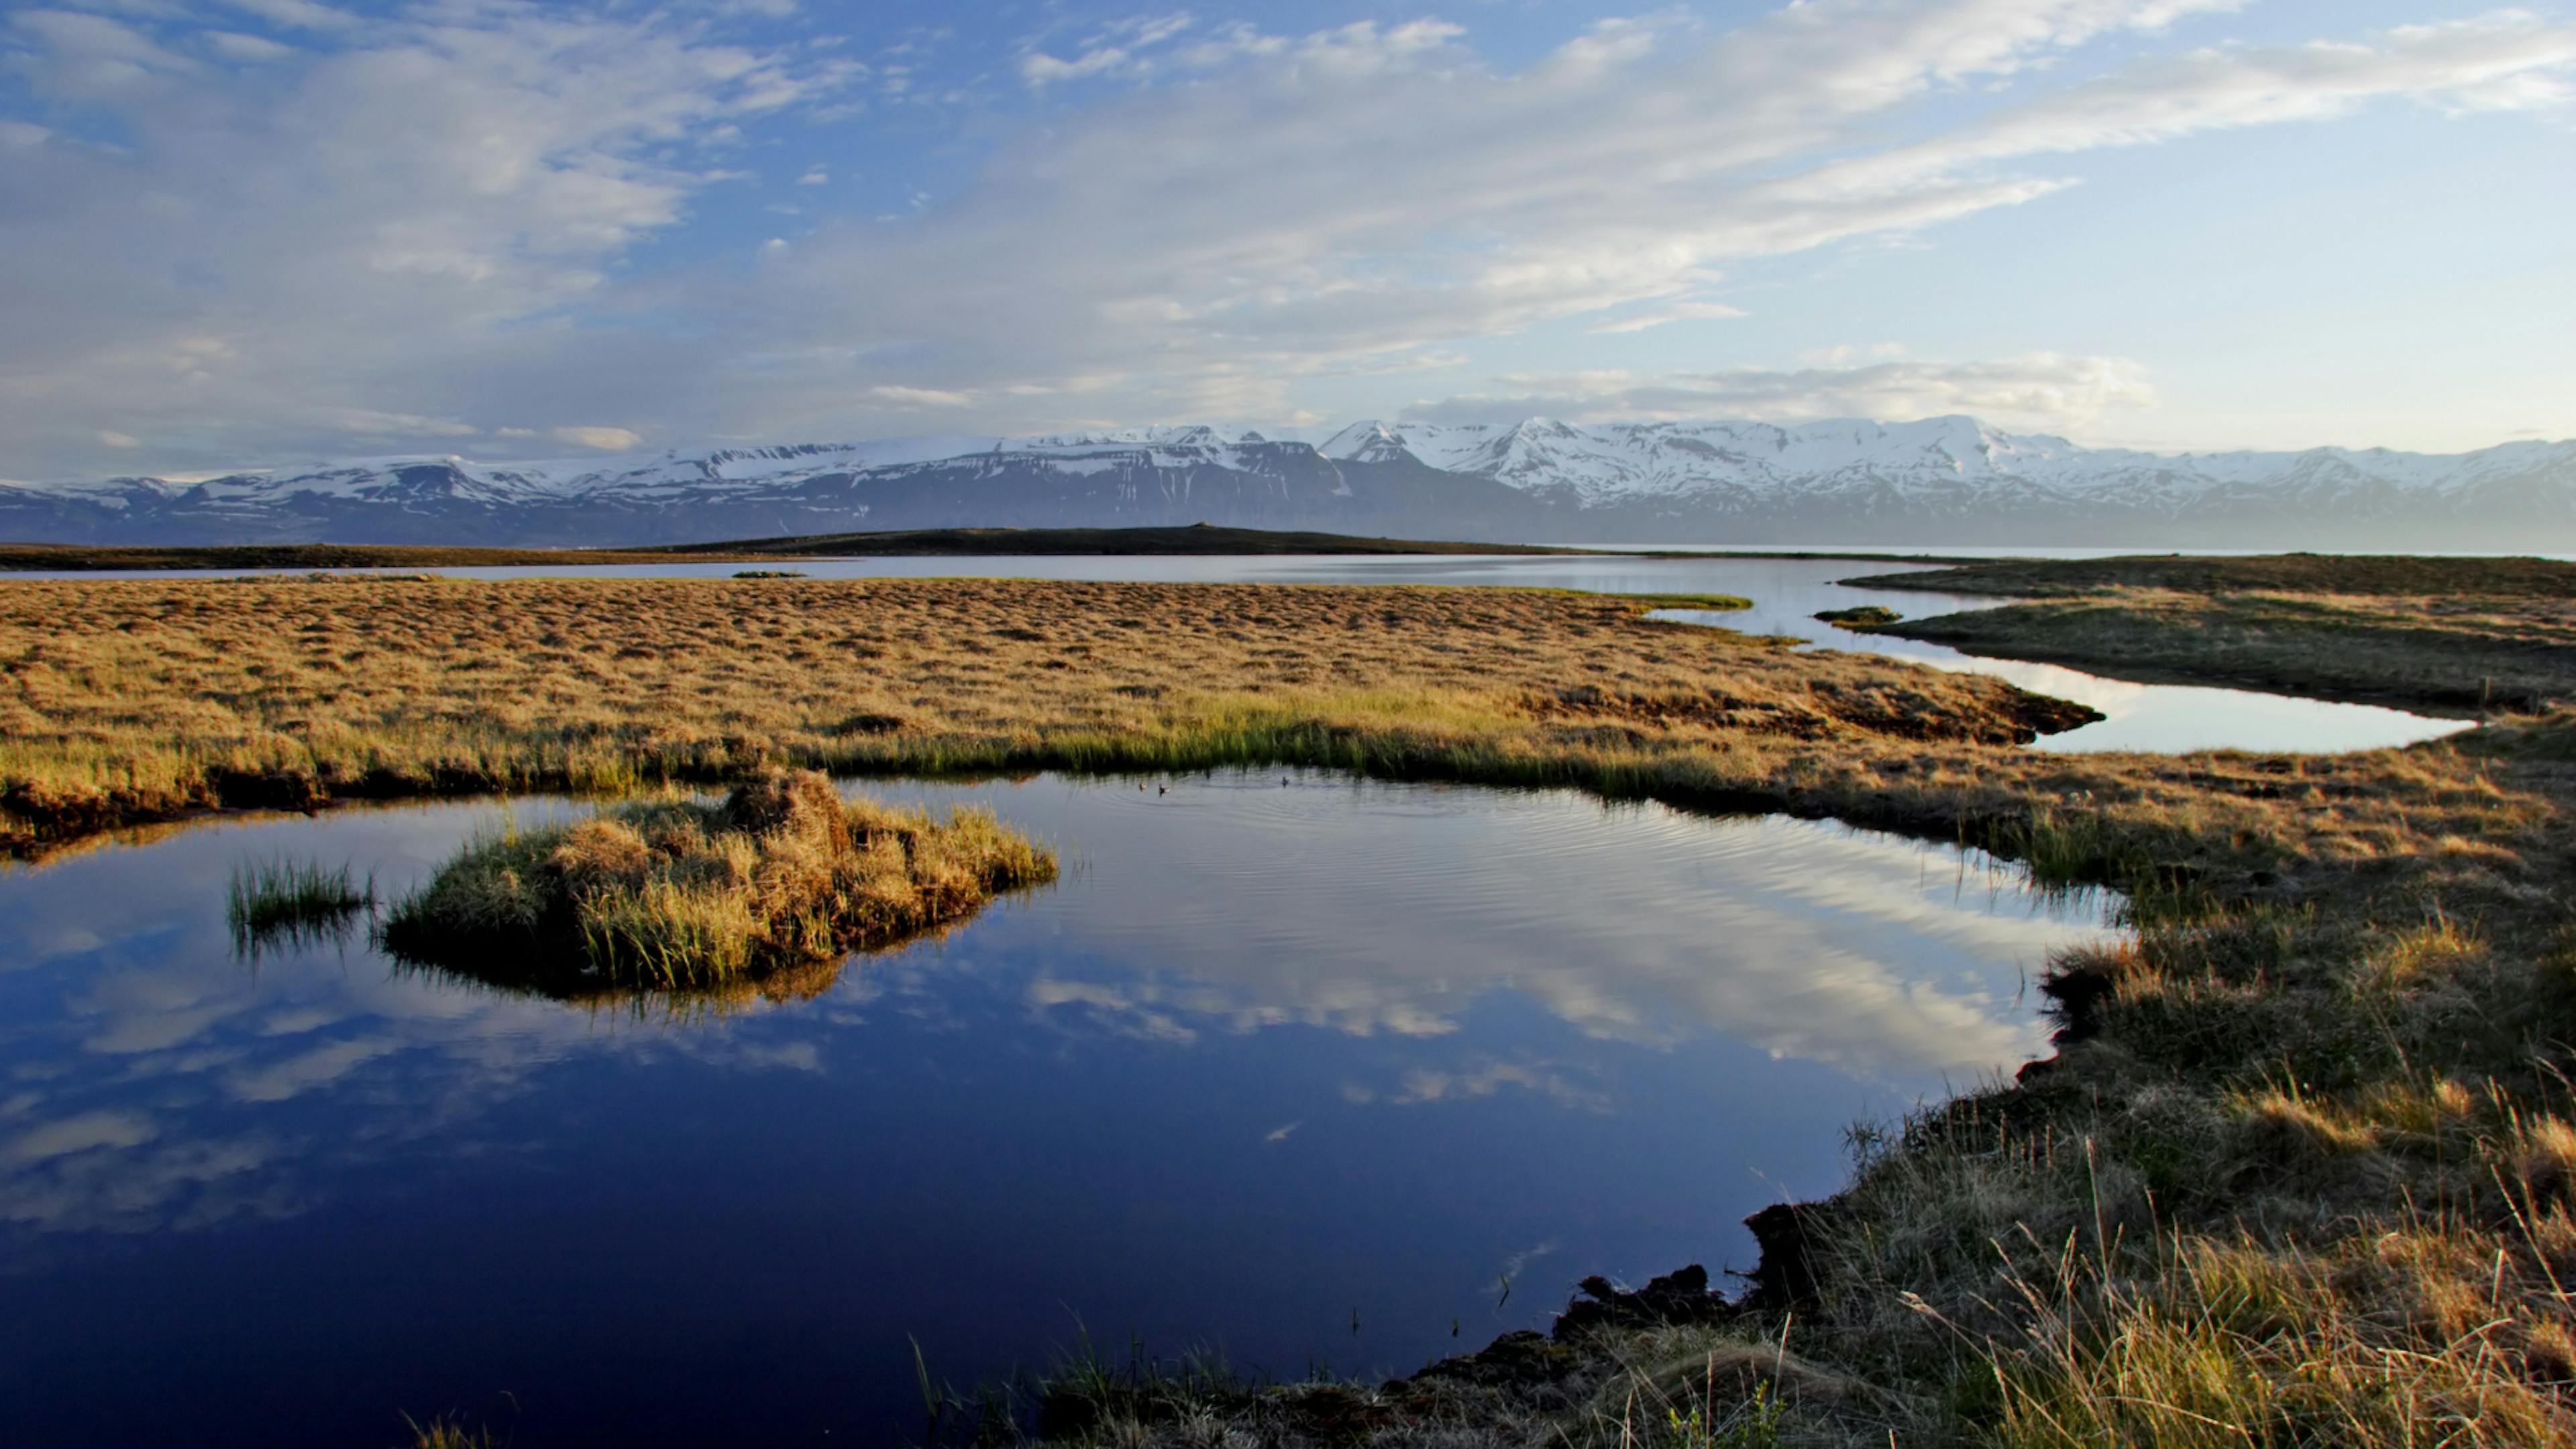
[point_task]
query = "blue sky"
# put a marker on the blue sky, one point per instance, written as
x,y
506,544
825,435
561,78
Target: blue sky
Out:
x,y
272,231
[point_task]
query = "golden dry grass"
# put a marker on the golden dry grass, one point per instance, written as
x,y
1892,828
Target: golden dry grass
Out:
x,y
2454,634
122,700
781,879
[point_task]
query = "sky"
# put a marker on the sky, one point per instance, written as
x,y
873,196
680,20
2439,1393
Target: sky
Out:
x,y
270,232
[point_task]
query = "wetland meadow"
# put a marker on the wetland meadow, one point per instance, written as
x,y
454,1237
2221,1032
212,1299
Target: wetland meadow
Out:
x,y
1286,1001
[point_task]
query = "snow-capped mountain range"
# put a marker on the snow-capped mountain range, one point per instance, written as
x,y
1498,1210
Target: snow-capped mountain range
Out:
x,y
1941,481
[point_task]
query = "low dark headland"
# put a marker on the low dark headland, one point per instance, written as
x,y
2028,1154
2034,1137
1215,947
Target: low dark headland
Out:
x,y
2449,635
2369,575
1202,538
1031,542
1866,614
671,895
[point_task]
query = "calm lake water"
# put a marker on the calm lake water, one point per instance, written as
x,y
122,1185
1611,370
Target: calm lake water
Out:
x,y
1787,594
1301,1073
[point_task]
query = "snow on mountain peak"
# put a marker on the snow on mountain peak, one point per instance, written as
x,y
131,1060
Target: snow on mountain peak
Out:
x,y
1726,468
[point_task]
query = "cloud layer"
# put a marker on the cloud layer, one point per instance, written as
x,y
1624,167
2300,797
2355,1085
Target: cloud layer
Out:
x,y
2039,388
482,222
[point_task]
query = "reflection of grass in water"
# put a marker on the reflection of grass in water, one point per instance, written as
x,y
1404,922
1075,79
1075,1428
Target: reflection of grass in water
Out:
x,y
280,904
762,894
444,1432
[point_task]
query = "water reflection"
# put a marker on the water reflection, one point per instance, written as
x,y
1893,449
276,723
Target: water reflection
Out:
x,y
1265,1054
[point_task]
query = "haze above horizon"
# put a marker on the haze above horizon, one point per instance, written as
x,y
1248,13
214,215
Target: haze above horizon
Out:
x,y
277,230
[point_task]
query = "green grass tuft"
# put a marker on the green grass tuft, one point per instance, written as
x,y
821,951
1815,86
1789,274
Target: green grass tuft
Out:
x,y
276,905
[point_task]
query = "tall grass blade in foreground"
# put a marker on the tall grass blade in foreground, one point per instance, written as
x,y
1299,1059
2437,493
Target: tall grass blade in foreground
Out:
x,y
277,905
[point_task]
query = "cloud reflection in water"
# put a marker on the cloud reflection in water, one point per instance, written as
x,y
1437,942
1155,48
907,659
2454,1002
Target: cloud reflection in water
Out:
x,y
153,1082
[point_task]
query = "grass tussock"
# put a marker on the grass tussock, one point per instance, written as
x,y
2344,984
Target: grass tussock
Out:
x,y
672,895
276,905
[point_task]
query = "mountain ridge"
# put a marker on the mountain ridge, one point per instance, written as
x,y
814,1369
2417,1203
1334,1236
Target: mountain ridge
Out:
x,y
1837,481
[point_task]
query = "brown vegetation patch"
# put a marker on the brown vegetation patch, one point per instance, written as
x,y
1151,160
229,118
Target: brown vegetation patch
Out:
x,y
768,890
120,700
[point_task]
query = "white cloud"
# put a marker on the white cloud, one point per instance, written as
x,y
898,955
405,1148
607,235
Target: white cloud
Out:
x,y
607,440
912,397
1219,247
233,45
371,422
298,14
1678,312
439,219
1118,49
91,57
1040,69
114,439
2043,390
391,235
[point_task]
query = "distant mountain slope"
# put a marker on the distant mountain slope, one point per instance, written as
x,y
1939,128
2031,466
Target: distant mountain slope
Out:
x,y
1940,481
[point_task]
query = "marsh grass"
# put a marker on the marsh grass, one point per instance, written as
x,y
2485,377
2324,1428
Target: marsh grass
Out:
x,y
2227,1344
282,904
766,889
125,701
2456,636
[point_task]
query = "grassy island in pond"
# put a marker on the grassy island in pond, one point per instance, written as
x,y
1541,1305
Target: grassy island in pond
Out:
x,y
676,895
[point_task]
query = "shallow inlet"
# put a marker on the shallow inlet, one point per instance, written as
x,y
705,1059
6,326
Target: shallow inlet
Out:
x,y
1787,593
1267,1058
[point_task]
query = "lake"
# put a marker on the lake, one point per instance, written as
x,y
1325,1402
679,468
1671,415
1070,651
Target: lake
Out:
x,y
1304,1072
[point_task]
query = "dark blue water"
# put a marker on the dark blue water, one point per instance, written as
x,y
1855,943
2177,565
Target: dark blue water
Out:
x,y
1268,1059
